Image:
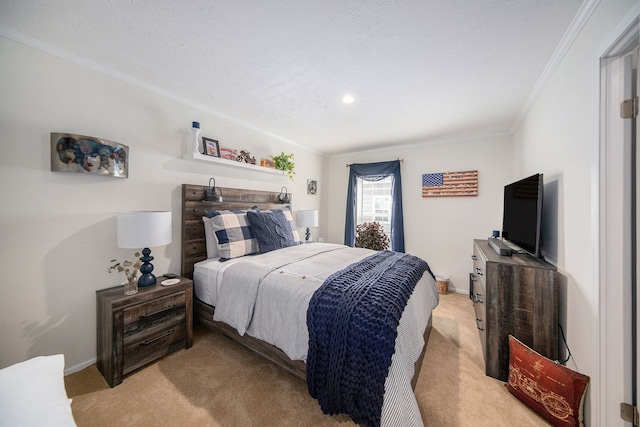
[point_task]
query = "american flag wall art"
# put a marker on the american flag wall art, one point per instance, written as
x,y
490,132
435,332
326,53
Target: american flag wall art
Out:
x,y
446,184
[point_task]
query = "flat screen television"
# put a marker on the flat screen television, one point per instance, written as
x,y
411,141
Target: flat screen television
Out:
x,y
522,213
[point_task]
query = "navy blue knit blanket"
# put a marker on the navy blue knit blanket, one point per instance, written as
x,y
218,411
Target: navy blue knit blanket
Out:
x,y
353,323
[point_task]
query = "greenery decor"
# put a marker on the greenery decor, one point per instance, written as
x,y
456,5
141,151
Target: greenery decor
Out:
x,y
371,235
284,162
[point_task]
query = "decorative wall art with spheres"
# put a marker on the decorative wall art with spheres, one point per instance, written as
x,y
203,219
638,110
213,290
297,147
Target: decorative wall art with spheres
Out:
x,y
88,154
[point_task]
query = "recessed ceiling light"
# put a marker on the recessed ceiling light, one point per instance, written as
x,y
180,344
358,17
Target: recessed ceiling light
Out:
x,y
348,99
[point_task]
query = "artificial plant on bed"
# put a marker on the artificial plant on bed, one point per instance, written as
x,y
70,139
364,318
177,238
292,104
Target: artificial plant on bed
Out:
x,y
371,235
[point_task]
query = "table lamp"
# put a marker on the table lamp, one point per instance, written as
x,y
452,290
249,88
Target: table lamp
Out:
x,y
307,219
143,230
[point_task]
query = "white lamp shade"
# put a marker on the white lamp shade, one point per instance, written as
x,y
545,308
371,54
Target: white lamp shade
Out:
x,y
307,218
144,229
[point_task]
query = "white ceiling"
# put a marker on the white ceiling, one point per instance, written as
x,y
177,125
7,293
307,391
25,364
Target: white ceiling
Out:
x,y
419,70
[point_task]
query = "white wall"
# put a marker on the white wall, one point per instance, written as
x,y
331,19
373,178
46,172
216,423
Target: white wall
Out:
x,y
58,229
438,229
559,137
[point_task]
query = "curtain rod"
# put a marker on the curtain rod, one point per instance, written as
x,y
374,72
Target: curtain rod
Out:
x,y
401,161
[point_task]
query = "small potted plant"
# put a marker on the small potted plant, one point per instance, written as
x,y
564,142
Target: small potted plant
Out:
x,y
371,235
284,162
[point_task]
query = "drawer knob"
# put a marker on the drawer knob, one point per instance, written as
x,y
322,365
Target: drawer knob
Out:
x,y
145,342
478,271
142,316
473,257
477,298
478,324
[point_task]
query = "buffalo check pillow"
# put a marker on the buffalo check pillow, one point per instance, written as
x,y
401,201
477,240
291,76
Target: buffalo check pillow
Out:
x,y
233,232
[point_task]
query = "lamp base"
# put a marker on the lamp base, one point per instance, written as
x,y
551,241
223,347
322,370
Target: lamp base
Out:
x,y
307,236
147,279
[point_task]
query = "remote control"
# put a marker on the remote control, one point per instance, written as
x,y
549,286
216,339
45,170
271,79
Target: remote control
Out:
x,y
498,246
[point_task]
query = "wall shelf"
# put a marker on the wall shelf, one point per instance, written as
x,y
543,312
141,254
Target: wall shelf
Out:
x,y
210,159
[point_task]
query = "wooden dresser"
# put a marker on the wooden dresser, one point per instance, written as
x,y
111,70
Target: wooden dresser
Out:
x,y
134,330
515,295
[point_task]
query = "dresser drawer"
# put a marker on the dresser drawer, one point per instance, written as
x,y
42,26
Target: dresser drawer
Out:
x,y
481,312
478,296
479,304
140,317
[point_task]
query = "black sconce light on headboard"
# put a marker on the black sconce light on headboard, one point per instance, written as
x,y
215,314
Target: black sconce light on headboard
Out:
x,y
284,197
211,193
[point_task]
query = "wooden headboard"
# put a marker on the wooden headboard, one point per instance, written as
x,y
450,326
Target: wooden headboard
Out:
x,y
194,248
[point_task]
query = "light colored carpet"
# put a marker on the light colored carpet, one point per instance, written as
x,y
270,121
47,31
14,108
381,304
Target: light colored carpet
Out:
x,y
219,383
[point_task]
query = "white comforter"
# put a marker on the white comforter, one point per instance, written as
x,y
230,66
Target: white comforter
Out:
x,y
267,296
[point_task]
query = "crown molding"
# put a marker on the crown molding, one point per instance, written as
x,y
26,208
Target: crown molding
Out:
x,y
578,22
424,143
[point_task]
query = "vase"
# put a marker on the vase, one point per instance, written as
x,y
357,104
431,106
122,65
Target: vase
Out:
x,y
195,128
131,285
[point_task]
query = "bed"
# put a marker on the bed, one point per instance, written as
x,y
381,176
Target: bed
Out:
x,y
283,338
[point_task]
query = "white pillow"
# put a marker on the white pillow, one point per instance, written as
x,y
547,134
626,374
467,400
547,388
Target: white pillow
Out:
x,y
210,238
32,393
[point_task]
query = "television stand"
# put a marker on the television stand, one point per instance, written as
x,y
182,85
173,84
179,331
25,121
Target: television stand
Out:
x,y
515,295
499,246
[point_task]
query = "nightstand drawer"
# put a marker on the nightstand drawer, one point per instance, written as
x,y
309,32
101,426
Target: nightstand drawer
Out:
x,y
149,314
149,342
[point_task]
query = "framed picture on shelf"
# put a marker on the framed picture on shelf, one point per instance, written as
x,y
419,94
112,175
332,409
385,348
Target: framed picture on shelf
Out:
x,y
211,147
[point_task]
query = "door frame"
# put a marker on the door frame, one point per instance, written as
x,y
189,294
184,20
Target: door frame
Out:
x,y
614,269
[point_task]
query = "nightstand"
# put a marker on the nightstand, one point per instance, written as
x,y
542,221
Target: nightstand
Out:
x,y
135,330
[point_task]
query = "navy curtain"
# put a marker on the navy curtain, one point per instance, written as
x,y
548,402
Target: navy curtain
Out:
x,y
376,172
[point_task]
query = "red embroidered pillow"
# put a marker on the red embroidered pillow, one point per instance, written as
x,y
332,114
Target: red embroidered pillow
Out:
x,y
552,390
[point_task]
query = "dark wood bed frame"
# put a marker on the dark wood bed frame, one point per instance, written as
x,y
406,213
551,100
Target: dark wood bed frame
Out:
x,y
194,250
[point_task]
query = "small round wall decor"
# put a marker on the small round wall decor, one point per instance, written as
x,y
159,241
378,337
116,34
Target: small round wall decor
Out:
x,y
312,186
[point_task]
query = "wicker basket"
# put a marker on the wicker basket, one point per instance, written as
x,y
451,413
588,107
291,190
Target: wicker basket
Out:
x,y
443,286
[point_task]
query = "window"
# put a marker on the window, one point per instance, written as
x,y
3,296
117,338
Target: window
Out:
x,y
374,193
374,202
